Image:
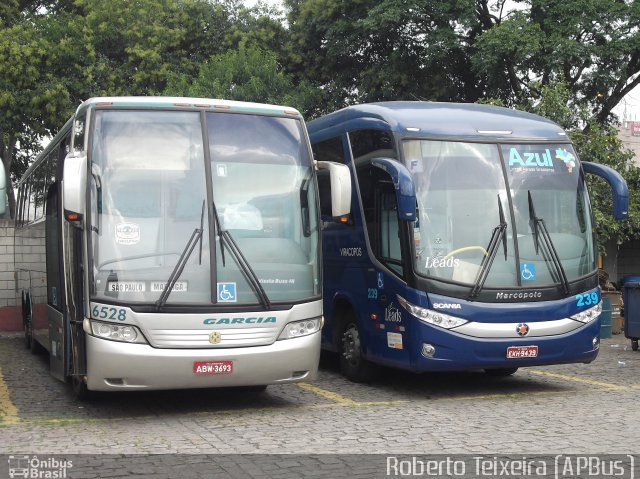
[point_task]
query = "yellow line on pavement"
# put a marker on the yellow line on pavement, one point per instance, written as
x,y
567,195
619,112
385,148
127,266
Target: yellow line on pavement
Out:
x,y
576,379
341,400
8,411
330,395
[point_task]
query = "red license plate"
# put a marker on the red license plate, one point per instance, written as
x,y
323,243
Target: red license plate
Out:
x,y
212,367
514,352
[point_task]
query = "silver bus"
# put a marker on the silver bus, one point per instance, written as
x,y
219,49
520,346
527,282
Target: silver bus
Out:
x,y
166,243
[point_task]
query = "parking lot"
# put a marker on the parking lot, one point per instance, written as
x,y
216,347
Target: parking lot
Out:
x,y
569,408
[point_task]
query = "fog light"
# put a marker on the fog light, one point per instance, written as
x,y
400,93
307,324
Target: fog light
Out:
x,y
596,342
428,350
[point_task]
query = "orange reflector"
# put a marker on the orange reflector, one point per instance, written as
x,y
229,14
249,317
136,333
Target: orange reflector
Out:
x,y
73,216
344,219
104,103
224,107
291,112
182,104
374,316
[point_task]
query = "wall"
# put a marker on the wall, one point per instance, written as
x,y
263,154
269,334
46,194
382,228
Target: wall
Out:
x,y
10,317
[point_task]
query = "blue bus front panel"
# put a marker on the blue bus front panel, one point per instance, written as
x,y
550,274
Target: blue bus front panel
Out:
x,y
547,334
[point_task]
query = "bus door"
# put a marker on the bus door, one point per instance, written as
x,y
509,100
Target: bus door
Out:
x,y
386,319
55,290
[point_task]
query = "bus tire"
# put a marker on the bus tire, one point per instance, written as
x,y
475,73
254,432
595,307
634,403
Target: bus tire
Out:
x,y
28,337
501,372
79,387
26,324
352,364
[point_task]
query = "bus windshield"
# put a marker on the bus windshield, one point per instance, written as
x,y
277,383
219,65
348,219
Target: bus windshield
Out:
x,y
150,192
467,190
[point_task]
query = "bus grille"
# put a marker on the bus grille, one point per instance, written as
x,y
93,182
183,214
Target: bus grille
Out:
x,y
202,339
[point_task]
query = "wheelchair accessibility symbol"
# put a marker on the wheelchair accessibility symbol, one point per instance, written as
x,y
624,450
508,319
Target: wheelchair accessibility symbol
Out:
x,y
528,271
227,293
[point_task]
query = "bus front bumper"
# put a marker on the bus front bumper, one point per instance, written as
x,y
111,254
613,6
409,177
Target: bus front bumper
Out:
x,y
113,365
458,352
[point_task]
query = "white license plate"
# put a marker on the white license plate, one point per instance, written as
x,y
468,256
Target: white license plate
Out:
x,y
515,352
212,367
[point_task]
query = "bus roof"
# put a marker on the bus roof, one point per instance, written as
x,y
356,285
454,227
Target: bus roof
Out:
x,y
439,120
186,102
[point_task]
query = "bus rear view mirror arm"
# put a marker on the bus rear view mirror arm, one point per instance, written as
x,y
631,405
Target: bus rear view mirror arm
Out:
x,y
73,185
340,178
403,183
618,185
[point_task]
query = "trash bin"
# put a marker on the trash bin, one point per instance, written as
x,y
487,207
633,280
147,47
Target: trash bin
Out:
x,y
605,318
632,312
615,298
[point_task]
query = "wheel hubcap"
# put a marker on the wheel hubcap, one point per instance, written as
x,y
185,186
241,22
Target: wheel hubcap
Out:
x,y
351,345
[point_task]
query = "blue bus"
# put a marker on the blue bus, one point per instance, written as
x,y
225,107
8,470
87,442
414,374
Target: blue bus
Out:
x,y
470,243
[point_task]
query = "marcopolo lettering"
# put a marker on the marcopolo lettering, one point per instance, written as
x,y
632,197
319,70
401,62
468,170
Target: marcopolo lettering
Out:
x,y
520,295
241,320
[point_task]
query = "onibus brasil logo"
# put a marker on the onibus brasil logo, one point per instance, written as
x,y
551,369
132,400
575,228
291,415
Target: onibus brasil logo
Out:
x,y
36,468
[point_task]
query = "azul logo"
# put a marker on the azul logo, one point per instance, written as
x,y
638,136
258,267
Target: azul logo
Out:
x,y
241,320
567,157
437,262
392,314
446,306
530,159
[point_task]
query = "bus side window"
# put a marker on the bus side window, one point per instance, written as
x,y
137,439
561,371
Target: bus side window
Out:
x,y
389,228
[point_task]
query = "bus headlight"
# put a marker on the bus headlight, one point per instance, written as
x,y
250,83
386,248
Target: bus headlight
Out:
x,y
117,332
588,315
305,327
430,316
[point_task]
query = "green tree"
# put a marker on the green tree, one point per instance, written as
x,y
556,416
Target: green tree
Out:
x,y
592,45
369,50
249,73
600,144
35,84
464,50
133,45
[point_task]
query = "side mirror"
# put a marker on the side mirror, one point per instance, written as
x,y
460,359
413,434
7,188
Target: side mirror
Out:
x,y
405,189
3,189
74,182
618,185
340,178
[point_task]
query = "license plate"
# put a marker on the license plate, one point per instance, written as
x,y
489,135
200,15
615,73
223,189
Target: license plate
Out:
x,y
514,352
213,367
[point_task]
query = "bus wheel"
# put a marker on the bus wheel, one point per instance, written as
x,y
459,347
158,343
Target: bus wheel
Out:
x,y
79,387
352,365
634,344
28,338
501,373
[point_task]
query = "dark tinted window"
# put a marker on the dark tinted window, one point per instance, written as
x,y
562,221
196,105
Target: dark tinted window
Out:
x,y
367,144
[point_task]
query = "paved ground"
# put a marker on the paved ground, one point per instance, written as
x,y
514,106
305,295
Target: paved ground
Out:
x,y
581,409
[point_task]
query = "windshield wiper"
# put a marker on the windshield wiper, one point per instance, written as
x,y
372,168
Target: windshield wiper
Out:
x,y
540,231
252,278
499,233
196,237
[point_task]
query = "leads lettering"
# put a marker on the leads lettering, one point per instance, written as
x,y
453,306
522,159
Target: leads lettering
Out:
x,y
437,262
